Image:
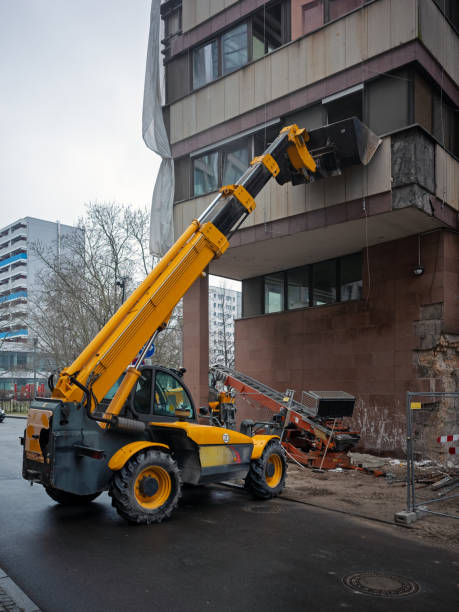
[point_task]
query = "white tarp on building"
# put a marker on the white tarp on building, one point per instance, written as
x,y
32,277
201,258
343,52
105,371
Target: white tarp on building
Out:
x,y
155,137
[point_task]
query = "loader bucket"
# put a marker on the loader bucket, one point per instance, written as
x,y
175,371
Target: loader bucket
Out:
x,y
342,144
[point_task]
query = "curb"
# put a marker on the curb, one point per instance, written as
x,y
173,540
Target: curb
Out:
x,y
15,416
12,598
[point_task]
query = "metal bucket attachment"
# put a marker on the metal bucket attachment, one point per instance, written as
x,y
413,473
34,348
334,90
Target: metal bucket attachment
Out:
x,y
342,144
329,404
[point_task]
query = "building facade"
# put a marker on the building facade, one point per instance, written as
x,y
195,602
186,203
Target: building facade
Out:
x,y
225,306
348,283
21,362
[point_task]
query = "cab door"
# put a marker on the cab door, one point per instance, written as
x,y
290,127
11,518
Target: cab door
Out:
x,y
161,395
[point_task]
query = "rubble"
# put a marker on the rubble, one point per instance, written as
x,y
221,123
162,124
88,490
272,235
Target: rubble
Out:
x,y
360,494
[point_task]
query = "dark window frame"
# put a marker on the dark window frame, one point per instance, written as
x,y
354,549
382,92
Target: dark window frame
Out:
x,y
282,273
310,276
247,42
151,415
192,55
232,145
285,37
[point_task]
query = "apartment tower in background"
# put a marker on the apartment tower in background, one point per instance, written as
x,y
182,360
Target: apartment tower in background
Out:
x,y
20,357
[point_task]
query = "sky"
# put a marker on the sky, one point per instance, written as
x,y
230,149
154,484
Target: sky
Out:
x,y
71,92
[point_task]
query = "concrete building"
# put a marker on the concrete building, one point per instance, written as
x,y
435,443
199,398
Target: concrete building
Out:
x,y
349,283
19,284
225,305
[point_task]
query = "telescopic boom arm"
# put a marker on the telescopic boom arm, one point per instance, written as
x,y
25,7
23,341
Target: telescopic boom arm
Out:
x,y
149,308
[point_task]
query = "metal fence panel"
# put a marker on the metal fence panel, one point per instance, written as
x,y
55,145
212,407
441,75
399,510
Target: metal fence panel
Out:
x,y
432,474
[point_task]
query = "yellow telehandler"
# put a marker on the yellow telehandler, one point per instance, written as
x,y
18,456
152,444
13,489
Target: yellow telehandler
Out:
x,y
134,431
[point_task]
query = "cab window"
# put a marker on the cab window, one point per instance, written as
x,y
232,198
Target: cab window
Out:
x,y
111,393
142,396
171,399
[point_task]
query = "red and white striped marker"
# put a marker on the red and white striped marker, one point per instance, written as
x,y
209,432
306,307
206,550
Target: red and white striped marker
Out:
x,y
449,438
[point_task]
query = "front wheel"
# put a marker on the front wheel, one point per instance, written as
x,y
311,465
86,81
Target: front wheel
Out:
x,y
147,489
70,499
266,477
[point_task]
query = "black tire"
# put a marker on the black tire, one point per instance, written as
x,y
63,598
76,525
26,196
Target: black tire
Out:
x,y
70,499
260,482
147,489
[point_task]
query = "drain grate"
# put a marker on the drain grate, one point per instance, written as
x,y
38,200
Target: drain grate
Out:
x,y
380,585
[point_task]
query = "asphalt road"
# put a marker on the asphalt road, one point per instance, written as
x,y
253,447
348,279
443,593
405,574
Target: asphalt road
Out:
x,y
221,551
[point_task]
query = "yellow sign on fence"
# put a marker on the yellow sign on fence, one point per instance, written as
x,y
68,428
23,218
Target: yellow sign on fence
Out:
x,y
416,405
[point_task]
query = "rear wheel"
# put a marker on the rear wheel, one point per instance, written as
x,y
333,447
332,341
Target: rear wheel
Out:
x,y
147,489
70,499
266,477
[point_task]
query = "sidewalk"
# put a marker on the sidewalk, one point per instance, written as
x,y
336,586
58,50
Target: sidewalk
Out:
x,y
12,598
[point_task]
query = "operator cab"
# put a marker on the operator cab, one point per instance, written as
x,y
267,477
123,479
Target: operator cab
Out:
x,y
159,395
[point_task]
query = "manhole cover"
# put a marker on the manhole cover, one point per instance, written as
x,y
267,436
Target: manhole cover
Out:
x,y
381,585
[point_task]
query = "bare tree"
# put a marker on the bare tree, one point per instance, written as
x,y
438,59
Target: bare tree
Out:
x,y
168,344
79,283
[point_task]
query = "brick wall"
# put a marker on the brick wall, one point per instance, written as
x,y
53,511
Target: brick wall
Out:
x,y
369,347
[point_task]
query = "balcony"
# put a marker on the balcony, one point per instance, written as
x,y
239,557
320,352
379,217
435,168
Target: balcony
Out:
x,y
14,334
19,285
13,297
19,265
17,239
18,226
19,251
20,255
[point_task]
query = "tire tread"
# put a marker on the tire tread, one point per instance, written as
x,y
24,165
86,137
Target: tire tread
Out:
x,y
255,481
124,502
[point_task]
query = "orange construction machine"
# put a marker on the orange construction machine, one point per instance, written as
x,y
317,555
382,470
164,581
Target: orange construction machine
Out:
x,y
312,431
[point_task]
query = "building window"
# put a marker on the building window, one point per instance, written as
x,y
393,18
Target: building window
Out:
x,y
235,161
265,137
173,23
387,102
205,64
298,284
171,12
318,284
234,48
274,292
265,30
324,283
344,105
311,118
351,277
445,123
450,8
222,167
205,173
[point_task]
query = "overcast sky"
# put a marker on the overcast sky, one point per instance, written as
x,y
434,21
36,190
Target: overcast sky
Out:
x,y
71,93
